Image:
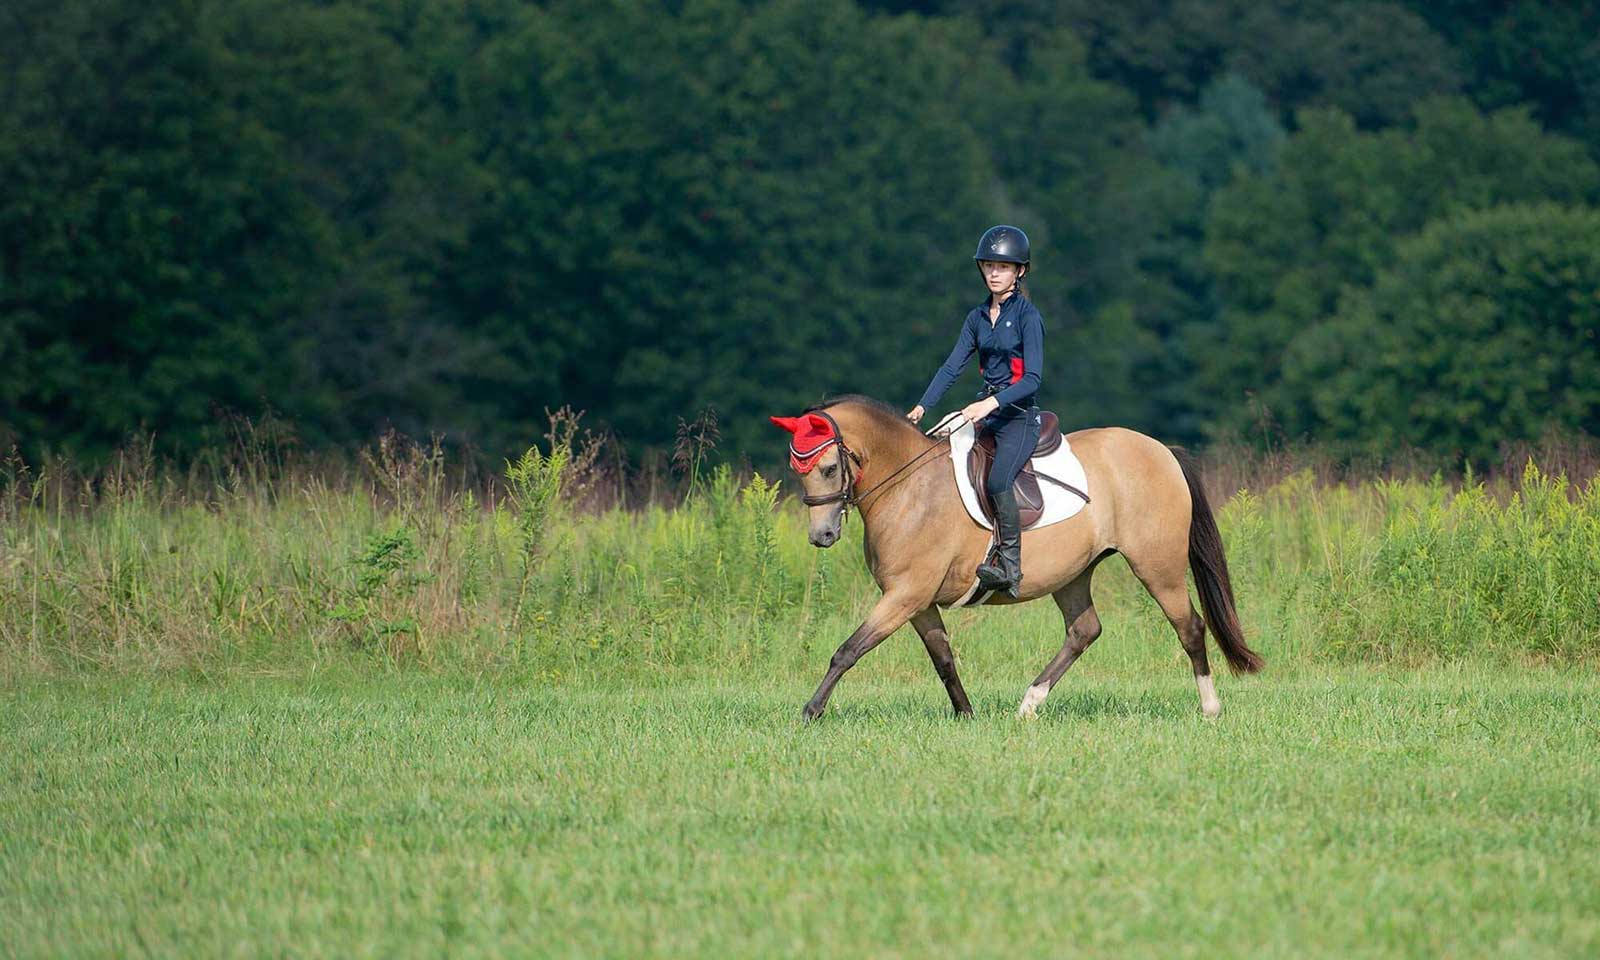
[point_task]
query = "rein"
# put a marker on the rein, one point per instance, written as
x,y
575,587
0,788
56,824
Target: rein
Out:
x,y
845,482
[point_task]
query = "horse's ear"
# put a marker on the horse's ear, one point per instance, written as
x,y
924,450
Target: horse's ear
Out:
x,y
820,424
790,424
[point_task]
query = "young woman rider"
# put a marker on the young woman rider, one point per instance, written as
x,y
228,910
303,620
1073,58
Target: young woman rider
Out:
x,y
1007,333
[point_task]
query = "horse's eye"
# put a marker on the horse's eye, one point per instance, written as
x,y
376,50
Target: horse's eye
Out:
x,y
828,470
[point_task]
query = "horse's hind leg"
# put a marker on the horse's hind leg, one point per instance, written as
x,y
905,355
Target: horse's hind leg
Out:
x,y
1171,591
1083,627
930,627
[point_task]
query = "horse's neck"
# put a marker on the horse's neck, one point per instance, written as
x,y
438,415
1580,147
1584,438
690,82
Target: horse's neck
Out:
x,y
885,449
915,487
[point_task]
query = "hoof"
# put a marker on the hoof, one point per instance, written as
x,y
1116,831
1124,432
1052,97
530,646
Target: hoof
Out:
x,y
809,713
1029,708
1211,711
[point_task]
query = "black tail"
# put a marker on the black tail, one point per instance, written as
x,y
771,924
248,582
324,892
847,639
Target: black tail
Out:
x,y
1210,566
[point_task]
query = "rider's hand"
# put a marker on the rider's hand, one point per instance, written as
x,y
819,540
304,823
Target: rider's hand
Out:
x,y
978,409
915,414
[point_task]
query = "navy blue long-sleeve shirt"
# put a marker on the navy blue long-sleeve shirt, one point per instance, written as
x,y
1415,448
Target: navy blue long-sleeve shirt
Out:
x,y
1010,353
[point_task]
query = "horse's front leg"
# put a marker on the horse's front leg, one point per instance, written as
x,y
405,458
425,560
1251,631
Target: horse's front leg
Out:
x,y
931,627
888,615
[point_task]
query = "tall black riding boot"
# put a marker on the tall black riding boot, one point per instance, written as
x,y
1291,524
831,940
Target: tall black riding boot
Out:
x,y
1008,539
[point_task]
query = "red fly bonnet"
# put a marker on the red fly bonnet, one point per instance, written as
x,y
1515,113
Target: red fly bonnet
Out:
x,y
813,434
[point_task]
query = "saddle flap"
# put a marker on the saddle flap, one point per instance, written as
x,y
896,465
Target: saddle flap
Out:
x,y
1049,491
1030,499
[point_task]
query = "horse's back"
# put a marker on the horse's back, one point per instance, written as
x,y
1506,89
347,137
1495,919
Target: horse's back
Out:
x,y
1135,480
1126,452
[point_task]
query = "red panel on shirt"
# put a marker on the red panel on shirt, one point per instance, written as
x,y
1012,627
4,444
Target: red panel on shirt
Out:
x,y
1016,369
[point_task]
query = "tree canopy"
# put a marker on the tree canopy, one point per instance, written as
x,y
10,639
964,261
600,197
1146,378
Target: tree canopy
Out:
x,y
453,217
1484,326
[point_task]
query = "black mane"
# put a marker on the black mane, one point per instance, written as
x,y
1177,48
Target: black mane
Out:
x,y
871,403
860,398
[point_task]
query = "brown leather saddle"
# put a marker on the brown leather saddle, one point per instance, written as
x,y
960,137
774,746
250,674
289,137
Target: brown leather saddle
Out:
x,y
1030,499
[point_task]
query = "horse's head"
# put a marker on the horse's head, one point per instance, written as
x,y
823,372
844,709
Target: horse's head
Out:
x,y
819,457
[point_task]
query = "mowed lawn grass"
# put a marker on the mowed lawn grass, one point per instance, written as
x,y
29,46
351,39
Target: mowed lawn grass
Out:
x,y
1331,810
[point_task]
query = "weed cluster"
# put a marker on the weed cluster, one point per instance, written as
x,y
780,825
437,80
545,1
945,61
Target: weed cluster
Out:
x,y
401,561
406,563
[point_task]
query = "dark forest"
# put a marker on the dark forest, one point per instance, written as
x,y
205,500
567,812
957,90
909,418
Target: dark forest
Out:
x,y
1365,226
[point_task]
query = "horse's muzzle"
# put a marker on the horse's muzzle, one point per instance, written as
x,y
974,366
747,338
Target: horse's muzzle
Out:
x,y
825,537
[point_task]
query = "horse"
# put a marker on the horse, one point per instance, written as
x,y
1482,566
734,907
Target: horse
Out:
x,y
1146,503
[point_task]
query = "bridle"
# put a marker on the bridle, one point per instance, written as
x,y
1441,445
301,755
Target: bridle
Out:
x,y
846,455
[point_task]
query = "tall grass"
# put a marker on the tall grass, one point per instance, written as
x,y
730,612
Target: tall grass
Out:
x,y
1418,570
274,565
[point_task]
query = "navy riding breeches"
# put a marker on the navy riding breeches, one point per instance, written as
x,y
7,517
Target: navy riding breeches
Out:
x,y
1016,433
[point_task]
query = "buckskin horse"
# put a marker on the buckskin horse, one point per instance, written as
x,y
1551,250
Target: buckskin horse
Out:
x,y
1146,503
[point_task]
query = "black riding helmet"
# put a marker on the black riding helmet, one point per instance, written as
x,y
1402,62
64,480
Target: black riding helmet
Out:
x,y
1003,243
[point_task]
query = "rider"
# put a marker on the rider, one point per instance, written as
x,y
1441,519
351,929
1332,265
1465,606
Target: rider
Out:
x,y
1007,333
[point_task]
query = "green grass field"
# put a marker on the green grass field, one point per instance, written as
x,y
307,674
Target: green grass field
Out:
x,y
1331,810
311,716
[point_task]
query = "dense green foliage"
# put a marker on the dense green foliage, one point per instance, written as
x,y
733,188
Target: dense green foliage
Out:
x,y
1331,811
1286,246
400,565
1484,326
453,216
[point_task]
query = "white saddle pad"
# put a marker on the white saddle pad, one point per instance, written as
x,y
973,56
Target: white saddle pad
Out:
x,y
1059,502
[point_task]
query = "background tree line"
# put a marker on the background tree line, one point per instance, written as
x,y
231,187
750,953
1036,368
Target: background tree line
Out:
x,y
1362,224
